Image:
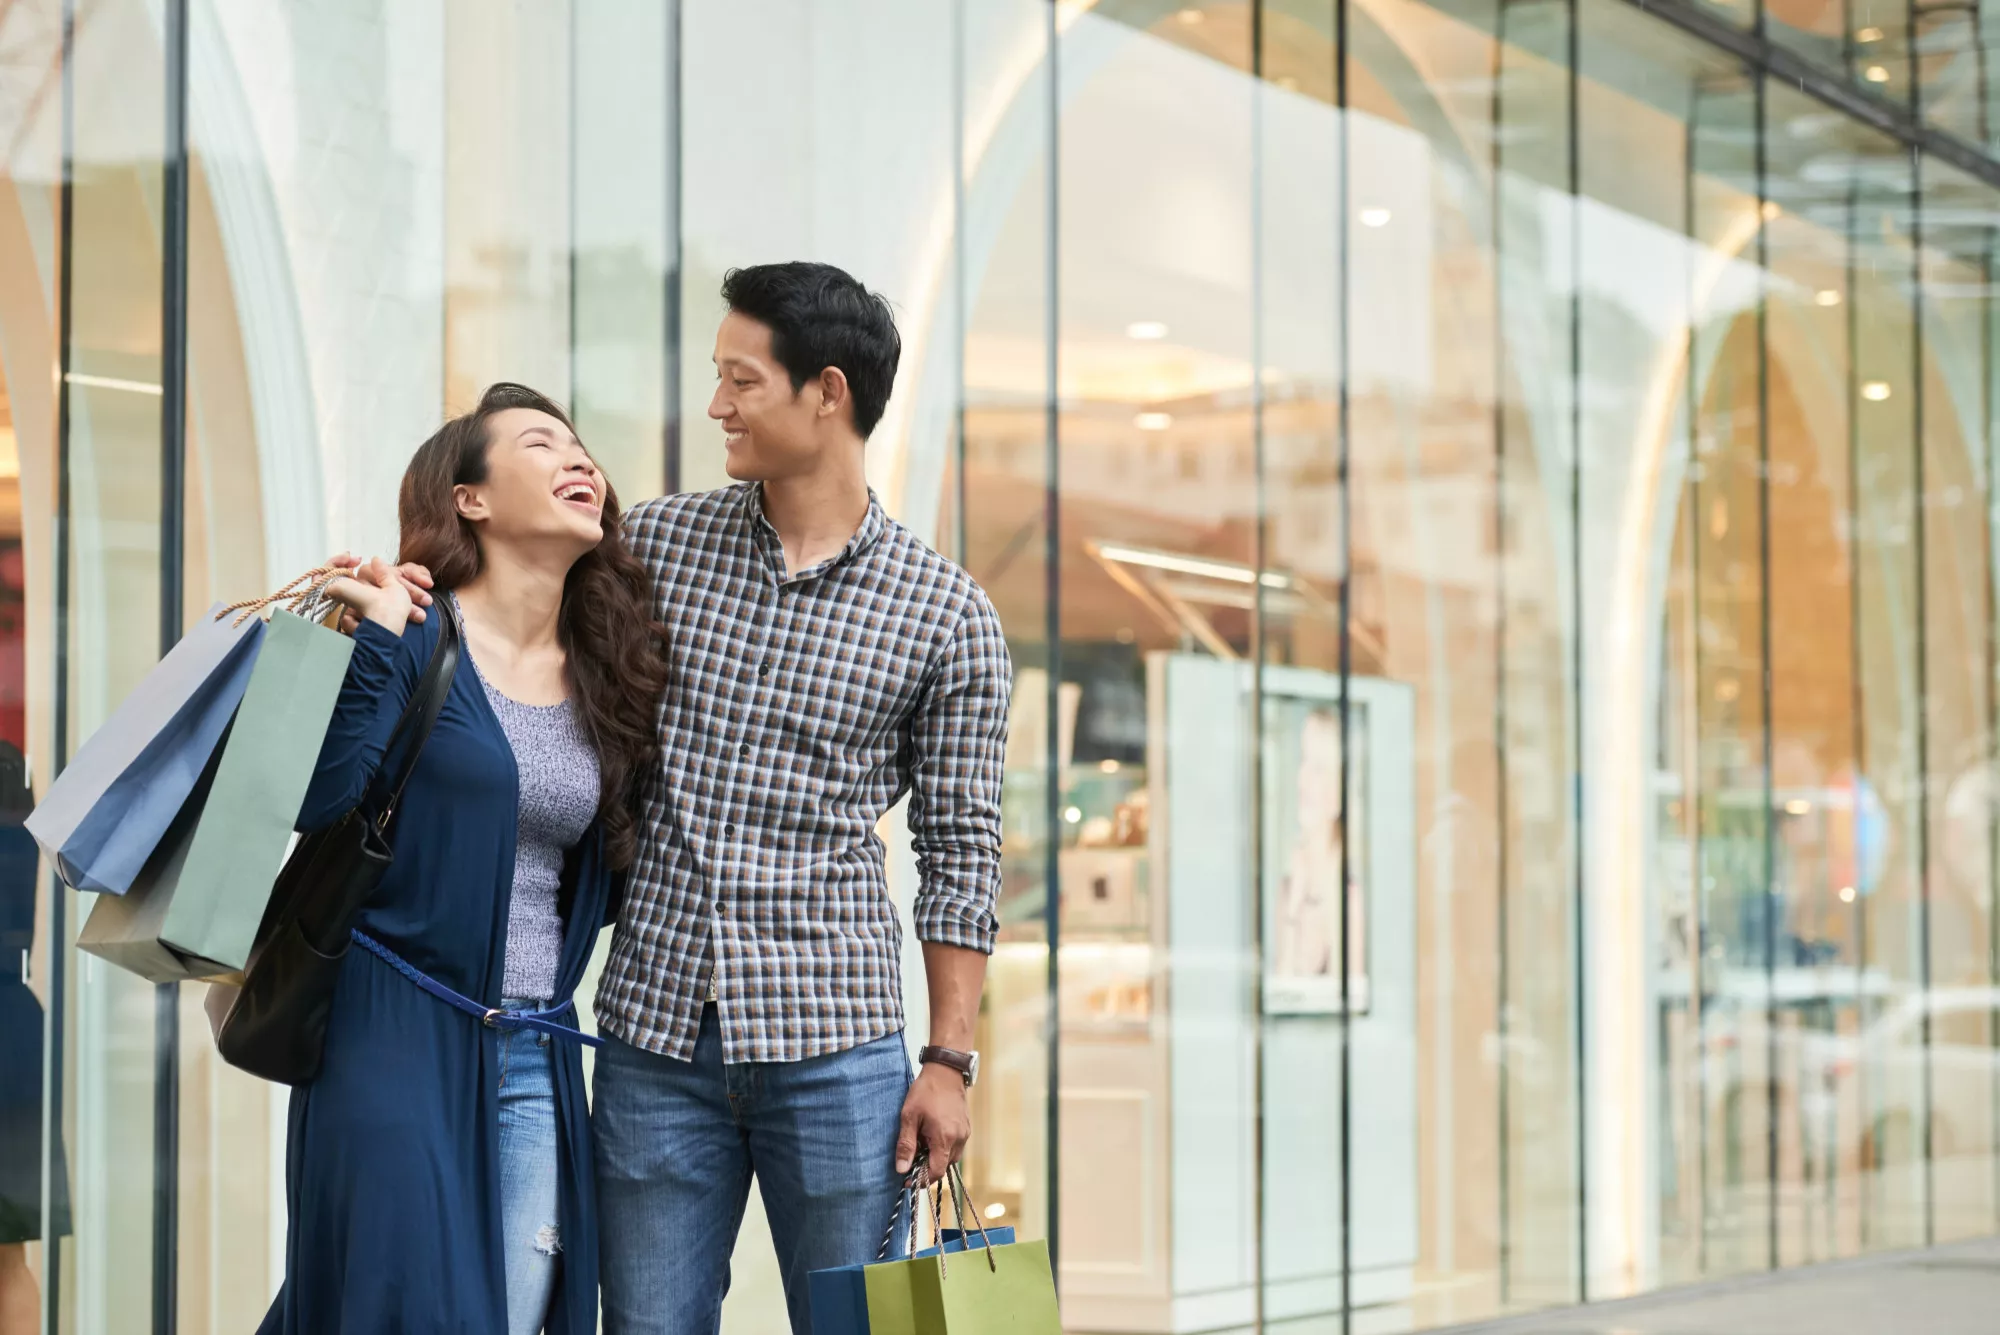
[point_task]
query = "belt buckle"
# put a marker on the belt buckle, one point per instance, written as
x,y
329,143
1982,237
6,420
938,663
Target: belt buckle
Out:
x,y
490,1016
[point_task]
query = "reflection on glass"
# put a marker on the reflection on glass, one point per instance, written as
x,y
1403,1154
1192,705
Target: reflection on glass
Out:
x,y
114,536
1955,261
1005,464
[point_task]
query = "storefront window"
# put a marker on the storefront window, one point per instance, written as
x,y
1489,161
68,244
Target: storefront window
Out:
x,y
1491,506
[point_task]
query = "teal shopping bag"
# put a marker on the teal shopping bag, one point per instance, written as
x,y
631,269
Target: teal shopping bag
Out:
x,y
194,910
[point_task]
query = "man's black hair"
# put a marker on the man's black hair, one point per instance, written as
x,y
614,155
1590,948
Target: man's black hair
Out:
x,y
820,316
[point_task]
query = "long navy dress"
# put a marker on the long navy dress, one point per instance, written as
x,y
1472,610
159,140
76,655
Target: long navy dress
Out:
x,y
392,1171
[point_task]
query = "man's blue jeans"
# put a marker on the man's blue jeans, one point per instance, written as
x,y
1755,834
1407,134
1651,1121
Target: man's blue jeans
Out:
x,y
677,1145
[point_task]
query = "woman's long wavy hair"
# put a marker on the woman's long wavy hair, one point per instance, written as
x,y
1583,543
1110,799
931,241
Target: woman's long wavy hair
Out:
x,y
616,650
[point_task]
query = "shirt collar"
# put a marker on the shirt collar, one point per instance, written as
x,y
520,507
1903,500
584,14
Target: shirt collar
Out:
x,y
761,529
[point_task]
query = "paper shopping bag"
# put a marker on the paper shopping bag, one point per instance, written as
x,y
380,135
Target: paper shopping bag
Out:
x,y
1008,1290
102,819
839,1295
205,894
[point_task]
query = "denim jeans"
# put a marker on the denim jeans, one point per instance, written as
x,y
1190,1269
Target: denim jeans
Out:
x,y
679,1141
530,1233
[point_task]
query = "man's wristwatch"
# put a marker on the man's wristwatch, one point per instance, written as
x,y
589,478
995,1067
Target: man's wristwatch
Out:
x,y
965,1063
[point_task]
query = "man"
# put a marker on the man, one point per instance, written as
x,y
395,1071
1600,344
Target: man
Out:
x,y
824,663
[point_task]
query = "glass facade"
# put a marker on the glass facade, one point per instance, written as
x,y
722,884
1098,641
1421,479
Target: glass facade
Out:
x,y
1491,500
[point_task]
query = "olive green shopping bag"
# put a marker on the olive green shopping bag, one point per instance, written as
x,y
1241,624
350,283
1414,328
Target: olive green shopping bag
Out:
x,y
995,1289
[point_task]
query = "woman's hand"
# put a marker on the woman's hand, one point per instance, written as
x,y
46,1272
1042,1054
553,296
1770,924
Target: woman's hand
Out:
x,y
415,580
375,592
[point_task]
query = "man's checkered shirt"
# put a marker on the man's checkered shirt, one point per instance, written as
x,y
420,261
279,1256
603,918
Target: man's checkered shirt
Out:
x,y
800,710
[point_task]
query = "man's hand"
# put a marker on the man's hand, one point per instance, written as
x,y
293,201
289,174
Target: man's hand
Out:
x,y
415,580
938,1116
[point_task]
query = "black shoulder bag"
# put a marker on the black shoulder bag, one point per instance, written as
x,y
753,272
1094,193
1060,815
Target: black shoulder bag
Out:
x,y
274,1025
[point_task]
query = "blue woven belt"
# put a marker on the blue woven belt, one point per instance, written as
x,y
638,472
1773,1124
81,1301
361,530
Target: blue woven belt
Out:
x,y
504,1020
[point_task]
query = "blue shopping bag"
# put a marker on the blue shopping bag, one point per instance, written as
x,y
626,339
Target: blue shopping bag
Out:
x,y
114,803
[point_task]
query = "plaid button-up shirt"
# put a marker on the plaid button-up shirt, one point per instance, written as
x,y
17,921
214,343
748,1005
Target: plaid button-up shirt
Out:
x,y
800,710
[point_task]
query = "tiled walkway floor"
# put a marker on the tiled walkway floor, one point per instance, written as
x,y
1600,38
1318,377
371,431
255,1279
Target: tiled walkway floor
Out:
x,y
1946,1291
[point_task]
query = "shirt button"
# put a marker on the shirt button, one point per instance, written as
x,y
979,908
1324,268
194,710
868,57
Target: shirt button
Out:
x,y
743,750
729,831
764,668
721,908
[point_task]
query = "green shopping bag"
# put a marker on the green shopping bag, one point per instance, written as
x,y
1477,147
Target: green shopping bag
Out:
x,y
194,910
991,1289
1007,1290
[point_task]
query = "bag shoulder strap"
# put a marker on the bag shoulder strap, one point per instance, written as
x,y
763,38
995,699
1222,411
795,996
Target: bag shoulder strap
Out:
x,y
413,729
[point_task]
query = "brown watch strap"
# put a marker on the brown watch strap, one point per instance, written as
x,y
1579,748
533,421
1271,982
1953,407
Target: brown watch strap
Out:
x,y
962,1062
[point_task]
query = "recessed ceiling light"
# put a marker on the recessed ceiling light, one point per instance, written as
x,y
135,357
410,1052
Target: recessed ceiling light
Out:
x,y
1771,209
1287,82
1877,74
1847,894
1868,35
1153,421
1190,16
1826,296
1798,806
1375,217
1147,330
1875,391
1073,815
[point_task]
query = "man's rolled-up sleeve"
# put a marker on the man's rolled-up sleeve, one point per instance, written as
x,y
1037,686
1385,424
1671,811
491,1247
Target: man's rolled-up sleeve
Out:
x,y
959,740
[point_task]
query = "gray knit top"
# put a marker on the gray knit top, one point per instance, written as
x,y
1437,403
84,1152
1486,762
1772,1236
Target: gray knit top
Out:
x,y
559,788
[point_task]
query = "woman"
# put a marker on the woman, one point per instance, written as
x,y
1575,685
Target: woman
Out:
x,y
21,1064
438,1171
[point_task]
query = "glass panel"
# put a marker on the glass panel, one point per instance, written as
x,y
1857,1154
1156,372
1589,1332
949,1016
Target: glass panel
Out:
x,y
1958,217
1004,250
1158,486
622,172
1892,1106
1725,504
114,536
1813,682
1954,65
1664,225
1878,53
34,1226
1537,466
1338,895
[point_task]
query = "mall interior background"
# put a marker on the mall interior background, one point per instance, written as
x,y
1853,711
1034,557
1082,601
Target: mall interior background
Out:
x,y
1557,435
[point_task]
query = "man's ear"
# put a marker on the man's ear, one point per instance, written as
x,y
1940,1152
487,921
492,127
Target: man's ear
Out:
x,y
833,392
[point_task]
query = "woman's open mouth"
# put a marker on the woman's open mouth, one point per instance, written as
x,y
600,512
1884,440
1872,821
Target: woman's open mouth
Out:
x,y
581,495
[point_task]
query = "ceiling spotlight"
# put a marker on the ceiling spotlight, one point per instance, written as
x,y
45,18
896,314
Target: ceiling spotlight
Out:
x,y
1287,82
1375,217
1153,421
1798,806
1847,894
1771,210
1876,391
1826,296
1190,16
1146,330
1073,815
1868,35
1877,74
